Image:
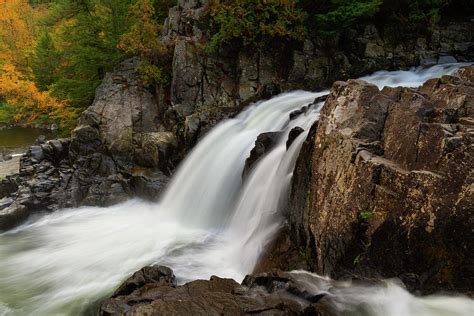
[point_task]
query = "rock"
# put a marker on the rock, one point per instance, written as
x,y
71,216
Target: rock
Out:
x,y
158,150
40,140
153,291
36,153
294,114
7,157
13,215
373,50
446,60
320,99
294,133
382,185
148,184
428,62
85,140
263,144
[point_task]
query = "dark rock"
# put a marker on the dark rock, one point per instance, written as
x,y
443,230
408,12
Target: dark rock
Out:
x,y
320,99
85,140
40,140
264,143
148,184
446,60
294,133
12,215
294,114
7,157
153,291
36,153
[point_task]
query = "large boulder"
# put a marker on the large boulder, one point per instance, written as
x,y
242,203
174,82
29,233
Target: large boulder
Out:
x,y
153,291
383,184
123,109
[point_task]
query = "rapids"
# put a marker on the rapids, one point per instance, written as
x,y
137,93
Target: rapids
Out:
x,y
207,222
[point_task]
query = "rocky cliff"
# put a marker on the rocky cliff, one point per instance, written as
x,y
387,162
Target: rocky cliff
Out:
x,y
384,186
206,88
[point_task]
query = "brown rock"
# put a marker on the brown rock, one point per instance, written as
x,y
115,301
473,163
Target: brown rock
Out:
x,y
385,186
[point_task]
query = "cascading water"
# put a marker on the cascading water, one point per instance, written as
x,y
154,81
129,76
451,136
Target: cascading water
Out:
x,y
208,221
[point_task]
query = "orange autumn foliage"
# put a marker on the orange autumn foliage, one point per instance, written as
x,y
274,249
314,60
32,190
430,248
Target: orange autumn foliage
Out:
x,y
29,104
17,32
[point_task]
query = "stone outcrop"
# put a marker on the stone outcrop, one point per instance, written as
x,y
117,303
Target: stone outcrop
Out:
x,y
117,151
124,121
208,88
153,291
383,185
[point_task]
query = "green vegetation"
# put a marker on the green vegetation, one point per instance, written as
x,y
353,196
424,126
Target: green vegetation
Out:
x,y
248,22
60,51
303,254
366,215
54,53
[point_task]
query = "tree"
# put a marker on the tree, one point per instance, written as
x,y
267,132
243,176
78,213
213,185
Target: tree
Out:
x,y
17,32
46,61
143,40
88,33
25,103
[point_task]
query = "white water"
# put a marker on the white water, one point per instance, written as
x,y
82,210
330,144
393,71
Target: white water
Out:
x,y
208,221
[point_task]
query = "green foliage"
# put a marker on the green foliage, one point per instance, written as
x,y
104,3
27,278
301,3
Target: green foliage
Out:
x,y
303,254
357,260
7,113
343,13
250,22
366,215
151,74
89,32
414,14
45,62
143,40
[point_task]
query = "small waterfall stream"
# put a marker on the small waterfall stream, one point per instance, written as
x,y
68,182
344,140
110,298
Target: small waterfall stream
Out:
x,y
208,222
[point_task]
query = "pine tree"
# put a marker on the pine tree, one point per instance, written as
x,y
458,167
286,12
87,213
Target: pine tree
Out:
x,y
45,62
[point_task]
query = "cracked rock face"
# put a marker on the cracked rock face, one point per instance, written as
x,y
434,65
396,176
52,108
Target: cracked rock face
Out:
x,y
385,184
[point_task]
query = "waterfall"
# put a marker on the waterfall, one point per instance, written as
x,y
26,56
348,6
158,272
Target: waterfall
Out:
x,y
208,222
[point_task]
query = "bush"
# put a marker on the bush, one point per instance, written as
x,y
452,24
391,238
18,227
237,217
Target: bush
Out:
x,y
250,22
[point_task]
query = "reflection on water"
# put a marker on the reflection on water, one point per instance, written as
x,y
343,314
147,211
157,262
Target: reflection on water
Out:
x,y
15,140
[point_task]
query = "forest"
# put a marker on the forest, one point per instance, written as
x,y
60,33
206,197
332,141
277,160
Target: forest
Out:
x,y
54,53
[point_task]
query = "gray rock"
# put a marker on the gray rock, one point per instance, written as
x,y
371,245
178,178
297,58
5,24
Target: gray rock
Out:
x,y
36,153
13,215
446,60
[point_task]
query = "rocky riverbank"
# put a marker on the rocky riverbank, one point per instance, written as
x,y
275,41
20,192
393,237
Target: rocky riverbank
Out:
x,y
382,188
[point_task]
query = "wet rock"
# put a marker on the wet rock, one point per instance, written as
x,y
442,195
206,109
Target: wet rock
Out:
x,y
264,143
148,184
294,114
158,150
381,186
294,133
40,140
12,215
7,157
36,153
153,291
446,60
